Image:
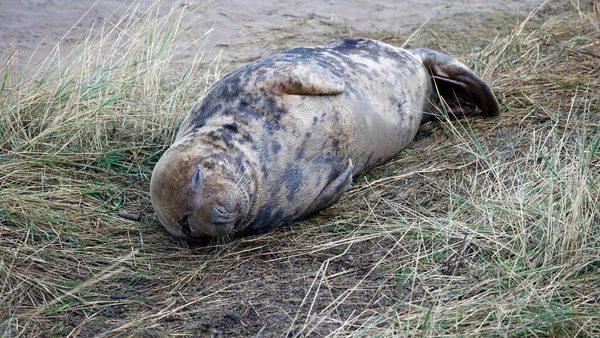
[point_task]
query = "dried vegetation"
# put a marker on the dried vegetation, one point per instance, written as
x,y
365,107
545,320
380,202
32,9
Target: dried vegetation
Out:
x,y
480,228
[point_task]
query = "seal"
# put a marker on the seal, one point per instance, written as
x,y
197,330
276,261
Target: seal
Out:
x,y
280,138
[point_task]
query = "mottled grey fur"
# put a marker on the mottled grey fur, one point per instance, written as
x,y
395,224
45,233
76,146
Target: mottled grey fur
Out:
x,y
281,137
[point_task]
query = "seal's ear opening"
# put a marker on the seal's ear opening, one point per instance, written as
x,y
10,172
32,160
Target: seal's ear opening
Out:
x,y
458,85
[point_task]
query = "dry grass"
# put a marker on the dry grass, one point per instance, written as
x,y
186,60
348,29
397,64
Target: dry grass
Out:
x,y
478,229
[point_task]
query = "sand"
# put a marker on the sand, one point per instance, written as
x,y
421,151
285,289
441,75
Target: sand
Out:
x,y
242,30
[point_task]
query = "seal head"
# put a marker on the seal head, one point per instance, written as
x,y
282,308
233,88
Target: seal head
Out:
x,y
200,197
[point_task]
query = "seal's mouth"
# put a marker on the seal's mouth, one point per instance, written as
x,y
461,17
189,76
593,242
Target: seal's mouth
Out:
x,y
184,223
222,226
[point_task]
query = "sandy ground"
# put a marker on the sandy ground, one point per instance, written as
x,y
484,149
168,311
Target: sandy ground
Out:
x,y
240,28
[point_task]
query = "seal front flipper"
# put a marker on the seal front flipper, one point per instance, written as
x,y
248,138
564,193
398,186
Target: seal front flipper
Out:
x,y
303,79
332,191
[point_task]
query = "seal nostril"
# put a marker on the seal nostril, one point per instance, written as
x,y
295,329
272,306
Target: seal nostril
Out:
x,y
230,206
222,216
221,210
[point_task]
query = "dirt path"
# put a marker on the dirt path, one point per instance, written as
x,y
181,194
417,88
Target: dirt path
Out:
x,y
242,29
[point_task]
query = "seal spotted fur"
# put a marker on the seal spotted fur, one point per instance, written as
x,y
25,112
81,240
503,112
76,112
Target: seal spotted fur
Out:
x,y
280,138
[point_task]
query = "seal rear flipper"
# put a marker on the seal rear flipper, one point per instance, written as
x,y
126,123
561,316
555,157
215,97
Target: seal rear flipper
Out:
x,y
458,85
304,79
332,191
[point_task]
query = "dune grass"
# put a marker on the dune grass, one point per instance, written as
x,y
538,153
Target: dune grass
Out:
x,y
480,228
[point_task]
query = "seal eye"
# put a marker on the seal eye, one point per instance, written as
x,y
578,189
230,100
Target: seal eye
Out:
x,y
197,177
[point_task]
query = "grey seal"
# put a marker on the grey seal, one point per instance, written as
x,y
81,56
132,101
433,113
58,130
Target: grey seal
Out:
x,y
280,138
